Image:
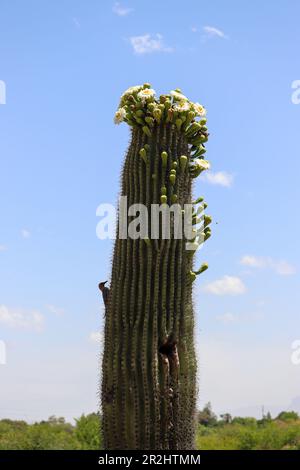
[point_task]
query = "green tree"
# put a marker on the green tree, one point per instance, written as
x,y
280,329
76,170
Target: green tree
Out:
x,y
287,416
207,417
87,431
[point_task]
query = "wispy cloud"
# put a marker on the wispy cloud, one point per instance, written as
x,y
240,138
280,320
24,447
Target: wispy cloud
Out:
x,y
281,267
21,319
3,248
55,310
76,22
120,10
221,178
147,44
212,31
227,285
25,233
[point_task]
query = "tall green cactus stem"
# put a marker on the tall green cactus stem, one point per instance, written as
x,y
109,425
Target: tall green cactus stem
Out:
x,y
149,364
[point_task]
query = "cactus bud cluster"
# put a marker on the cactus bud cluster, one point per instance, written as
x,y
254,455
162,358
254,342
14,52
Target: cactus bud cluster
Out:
x,y
139,107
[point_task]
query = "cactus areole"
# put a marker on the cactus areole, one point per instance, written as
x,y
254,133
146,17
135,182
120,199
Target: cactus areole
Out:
x,y
149,366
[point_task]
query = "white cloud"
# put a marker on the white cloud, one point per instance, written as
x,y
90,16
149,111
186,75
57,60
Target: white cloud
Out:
x,y
96,337
55,310
3,248
221,178
194,29
147,44
228,285
252,261
281,267
284,268
119,10
25,233
211,31
21,319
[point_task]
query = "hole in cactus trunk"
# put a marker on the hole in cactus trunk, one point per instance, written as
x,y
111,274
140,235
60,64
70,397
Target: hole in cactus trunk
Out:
x,y
169,348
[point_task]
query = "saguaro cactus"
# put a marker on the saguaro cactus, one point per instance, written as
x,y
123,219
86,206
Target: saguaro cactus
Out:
x,y
149,365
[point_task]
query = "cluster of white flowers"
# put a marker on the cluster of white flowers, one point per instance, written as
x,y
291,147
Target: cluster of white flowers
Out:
x,y
146,94
199,109
131,90
182,106
120,115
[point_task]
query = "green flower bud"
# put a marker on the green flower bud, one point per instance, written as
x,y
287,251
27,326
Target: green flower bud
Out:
x,y
143,154
173,171
147,85
197,201
203,268
178,123
172,179
183,162
146,131
157,114
164,157
139,113
174,198
147,147
163,199
130,122
149,120
192,276
174,165
207,233
195,127
163,190
207,220
151,107
139,120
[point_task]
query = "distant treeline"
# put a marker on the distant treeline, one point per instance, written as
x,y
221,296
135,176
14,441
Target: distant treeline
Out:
x,y
225,432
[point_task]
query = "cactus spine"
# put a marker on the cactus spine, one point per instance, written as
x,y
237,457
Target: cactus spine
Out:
x,y
149,365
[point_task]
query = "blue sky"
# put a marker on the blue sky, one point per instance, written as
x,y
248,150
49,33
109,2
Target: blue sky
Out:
x,y
65,65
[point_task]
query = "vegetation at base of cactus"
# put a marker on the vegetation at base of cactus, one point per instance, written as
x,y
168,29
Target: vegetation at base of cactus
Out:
x,y
149,366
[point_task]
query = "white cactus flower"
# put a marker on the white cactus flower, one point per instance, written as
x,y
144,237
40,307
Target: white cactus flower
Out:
x,y
146,94
200,164
178,96
120,115
182,106
199,109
